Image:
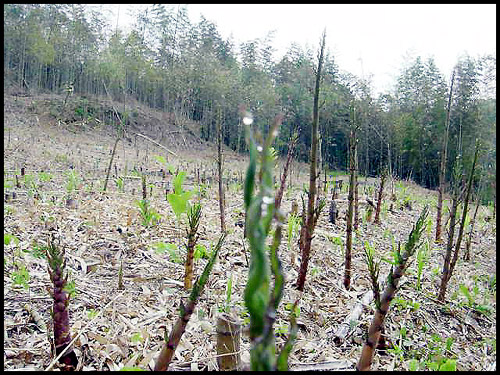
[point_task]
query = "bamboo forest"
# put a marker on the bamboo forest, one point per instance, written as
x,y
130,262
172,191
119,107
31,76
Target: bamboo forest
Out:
x,y
177,200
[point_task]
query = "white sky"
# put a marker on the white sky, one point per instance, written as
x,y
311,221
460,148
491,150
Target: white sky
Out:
x,y
365,39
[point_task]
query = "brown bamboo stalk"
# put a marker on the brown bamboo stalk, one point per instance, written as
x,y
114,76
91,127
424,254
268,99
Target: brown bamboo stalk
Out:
x,y
308,226
442,170
356,188
219,168
350,210
375,330
444,281
144,190
168,349
471,231
194,221
449,247
291,149
379,199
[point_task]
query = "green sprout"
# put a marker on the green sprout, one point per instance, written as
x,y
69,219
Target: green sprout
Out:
x,y
149,215
261,300
119,184
422,258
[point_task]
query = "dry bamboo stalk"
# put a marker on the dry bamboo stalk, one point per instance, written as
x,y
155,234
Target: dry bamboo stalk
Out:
x,y
156,143
345,326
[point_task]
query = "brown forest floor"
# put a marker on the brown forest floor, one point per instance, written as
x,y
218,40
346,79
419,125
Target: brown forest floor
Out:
x,y
129,330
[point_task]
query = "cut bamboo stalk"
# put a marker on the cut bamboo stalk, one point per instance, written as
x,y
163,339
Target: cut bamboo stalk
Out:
x,y
228,343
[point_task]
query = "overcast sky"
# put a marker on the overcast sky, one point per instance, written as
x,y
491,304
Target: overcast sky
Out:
x,y
365,39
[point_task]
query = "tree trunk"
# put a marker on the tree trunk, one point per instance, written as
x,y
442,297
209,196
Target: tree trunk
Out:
x,y
309,224
442,171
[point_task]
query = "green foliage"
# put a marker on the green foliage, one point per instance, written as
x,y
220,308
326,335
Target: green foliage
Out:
x,y
200,252
294,222
472,298
171,248
91,313
136,337
229,290
38,251
8,238
30,184
163,161
404,304
119,184
337,240
202,280
422,259
73,181
179,198
435,356
203,189
148,214
21,276
374,270
70,288
44,176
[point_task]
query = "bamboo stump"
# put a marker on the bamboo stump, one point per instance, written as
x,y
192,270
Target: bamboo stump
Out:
x,y
228,343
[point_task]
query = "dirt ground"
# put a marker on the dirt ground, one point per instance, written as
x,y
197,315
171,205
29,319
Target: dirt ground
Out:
x,y
118,328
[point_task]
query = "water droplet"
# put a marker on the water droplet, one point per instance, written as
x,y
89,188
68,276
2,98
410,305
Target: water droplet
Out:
x,y
275,133
267,200
248,119
259,148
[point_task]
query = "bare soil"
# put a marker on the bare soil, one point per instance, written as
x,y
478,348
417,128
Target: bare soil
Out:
x,y
100,230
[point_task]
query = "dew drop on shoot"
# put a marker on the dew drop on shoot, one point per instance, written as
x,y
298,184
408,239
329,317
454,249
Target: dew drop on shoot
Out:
x,y
259,148
248,119
267,200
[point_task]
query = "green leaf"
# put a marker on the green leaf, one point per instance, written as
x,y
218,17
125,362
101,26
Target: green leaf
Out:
x,y
432,365
128,368
449,365
160,247
413,365
178,204
173,252
466,293
21,277
70,288
7,238
136,337
200,251
449,343
160,159
177,182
